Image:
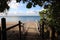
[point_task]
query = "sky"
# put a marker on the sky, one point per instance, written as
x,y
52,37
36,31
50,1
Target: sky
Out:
x,y
19,9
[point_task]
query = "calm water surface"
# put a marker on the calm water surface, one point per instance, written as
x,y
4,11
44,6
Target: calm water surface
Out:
x,y
21,18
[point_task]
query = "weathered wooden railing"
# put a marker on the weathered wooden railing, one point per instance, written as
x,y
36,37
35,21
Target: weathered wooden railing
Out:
x,y
12,27
4,29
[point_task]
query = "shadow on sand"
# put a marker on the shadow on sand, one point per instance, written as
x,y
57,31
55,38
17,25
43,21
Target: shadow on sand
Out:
x,y
14,35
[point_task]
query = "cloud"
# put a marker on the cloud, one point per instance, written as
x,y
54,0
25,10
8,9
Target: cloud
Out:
x,y
13,4
32,12
21,13
15,13
3,14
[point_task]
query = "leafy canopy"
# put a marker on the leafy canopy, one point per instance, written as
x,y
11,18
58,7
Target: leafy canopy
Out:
x,y
4,4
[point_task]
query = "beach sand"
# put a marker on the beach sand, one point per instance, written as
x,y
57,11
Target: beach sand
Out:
x,y
29,27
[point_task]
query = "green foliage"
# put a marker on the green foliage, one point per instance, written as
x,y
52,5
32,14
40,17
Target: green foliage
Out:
x,y
52,15
56,16
42,14
18,0
3,5
29,5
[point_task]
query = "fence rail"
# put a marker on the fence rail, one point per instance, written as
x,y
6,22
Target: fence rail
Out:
x,y
12,27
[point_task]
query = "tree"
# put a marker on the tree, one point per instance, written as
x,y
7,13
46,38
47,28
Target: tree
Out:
x,y
43,21
53,13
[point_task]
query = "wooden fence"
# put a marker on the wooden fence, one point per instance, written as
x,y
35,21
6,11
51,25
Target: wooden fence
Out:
x,y
4,29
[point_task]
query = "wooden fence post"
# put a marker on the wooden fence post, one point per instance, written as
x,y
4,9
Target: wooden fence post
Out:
x,y
3,24
0,33
20,29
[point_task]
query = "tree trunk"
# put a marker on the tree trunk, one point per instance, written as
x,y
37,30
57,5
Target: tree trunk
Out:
x,y
53,33
42,33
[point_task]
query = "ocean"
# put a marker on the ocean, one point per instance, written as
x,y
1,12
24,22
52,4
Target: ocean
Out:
x,y
21,18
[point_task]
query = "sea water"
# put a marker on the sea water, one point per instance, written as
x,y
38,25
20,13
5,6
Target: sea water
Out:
x,y
21,18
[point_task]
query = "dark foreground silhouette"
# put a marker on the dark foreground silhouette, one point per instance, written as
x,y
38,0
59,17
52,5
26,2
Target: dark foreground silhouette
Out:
x,y
14,35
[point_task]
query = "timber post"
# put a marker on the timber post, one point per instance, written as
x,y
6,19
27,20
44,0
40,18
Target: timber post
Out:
x,y
0,33
20,29
3,24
